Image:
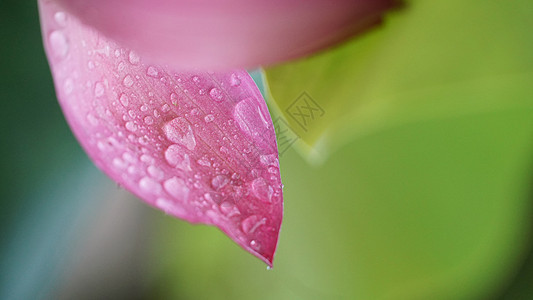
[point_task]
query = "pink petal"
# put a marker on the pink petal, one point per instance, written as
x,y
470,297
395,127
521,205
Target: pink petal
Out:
x,y
216,34
200,146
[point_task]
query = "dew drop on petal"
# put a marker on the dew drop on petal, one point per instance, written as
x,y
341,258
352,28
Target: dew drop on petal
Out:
x,y
99,89
148,120
149,185
177,188
124,100
209,118
59,43
60,18
262,190
179,131
252,223
152,72
155,172
176,158
128,81
219,181
68,86
235,80
133,58
131,126
216,94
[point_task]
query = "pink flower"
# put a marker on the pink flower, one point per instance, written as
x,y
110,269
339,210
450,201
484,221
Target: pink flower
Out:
x,y
198,144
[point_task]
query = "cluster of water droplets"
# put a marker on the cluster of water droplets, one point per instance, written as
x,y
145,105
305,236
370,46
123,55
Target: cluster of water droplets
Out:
x,y
195,158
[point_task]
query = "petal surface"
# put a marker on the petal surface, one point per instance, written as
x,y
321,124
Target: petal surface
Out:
x,y
227,34
198,145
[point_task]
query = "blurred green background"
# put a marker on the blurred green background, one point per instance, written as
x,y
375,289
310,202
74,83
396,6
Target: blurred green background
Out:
x,y
416,183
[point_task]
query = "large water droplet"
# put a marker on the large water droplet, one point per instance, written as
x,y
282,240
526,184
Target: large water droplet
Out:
x,y
148,120
131,126
219,181
269,160
252,223
235,80
59,43
124,100
152,72
155,172
170,207
216,94
229,209
128,81
176,157
149,185
99,89
133,58
177,188
248,116
179,131
60,18
262,190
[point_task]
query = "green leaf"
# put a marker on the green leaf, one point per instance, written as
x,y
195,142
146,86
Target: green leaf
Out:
x,y
431,60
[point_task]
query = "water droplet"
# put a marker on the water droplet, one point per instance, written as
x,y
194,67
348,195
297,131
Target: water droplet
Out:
x,y
90,65
152,72
249,118
133,58
155,172
229,209
124,100
147,159
175,157
127,156
128,81
174,99
196,79
252,223
224,150
165,108
179,131
121,66
148,120
60,18
92,119
177,188
235,80
131,126
216,94
144,107
209,118
59,43
132,113
170,207
204,162
68,86
269,160
99,89
255,245
262,190
219,181
119,163
149,185
117,53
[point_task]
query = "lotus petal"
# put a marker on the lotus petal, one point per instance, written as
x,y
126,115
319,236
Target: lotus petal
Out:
x,y
217,34
198,145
